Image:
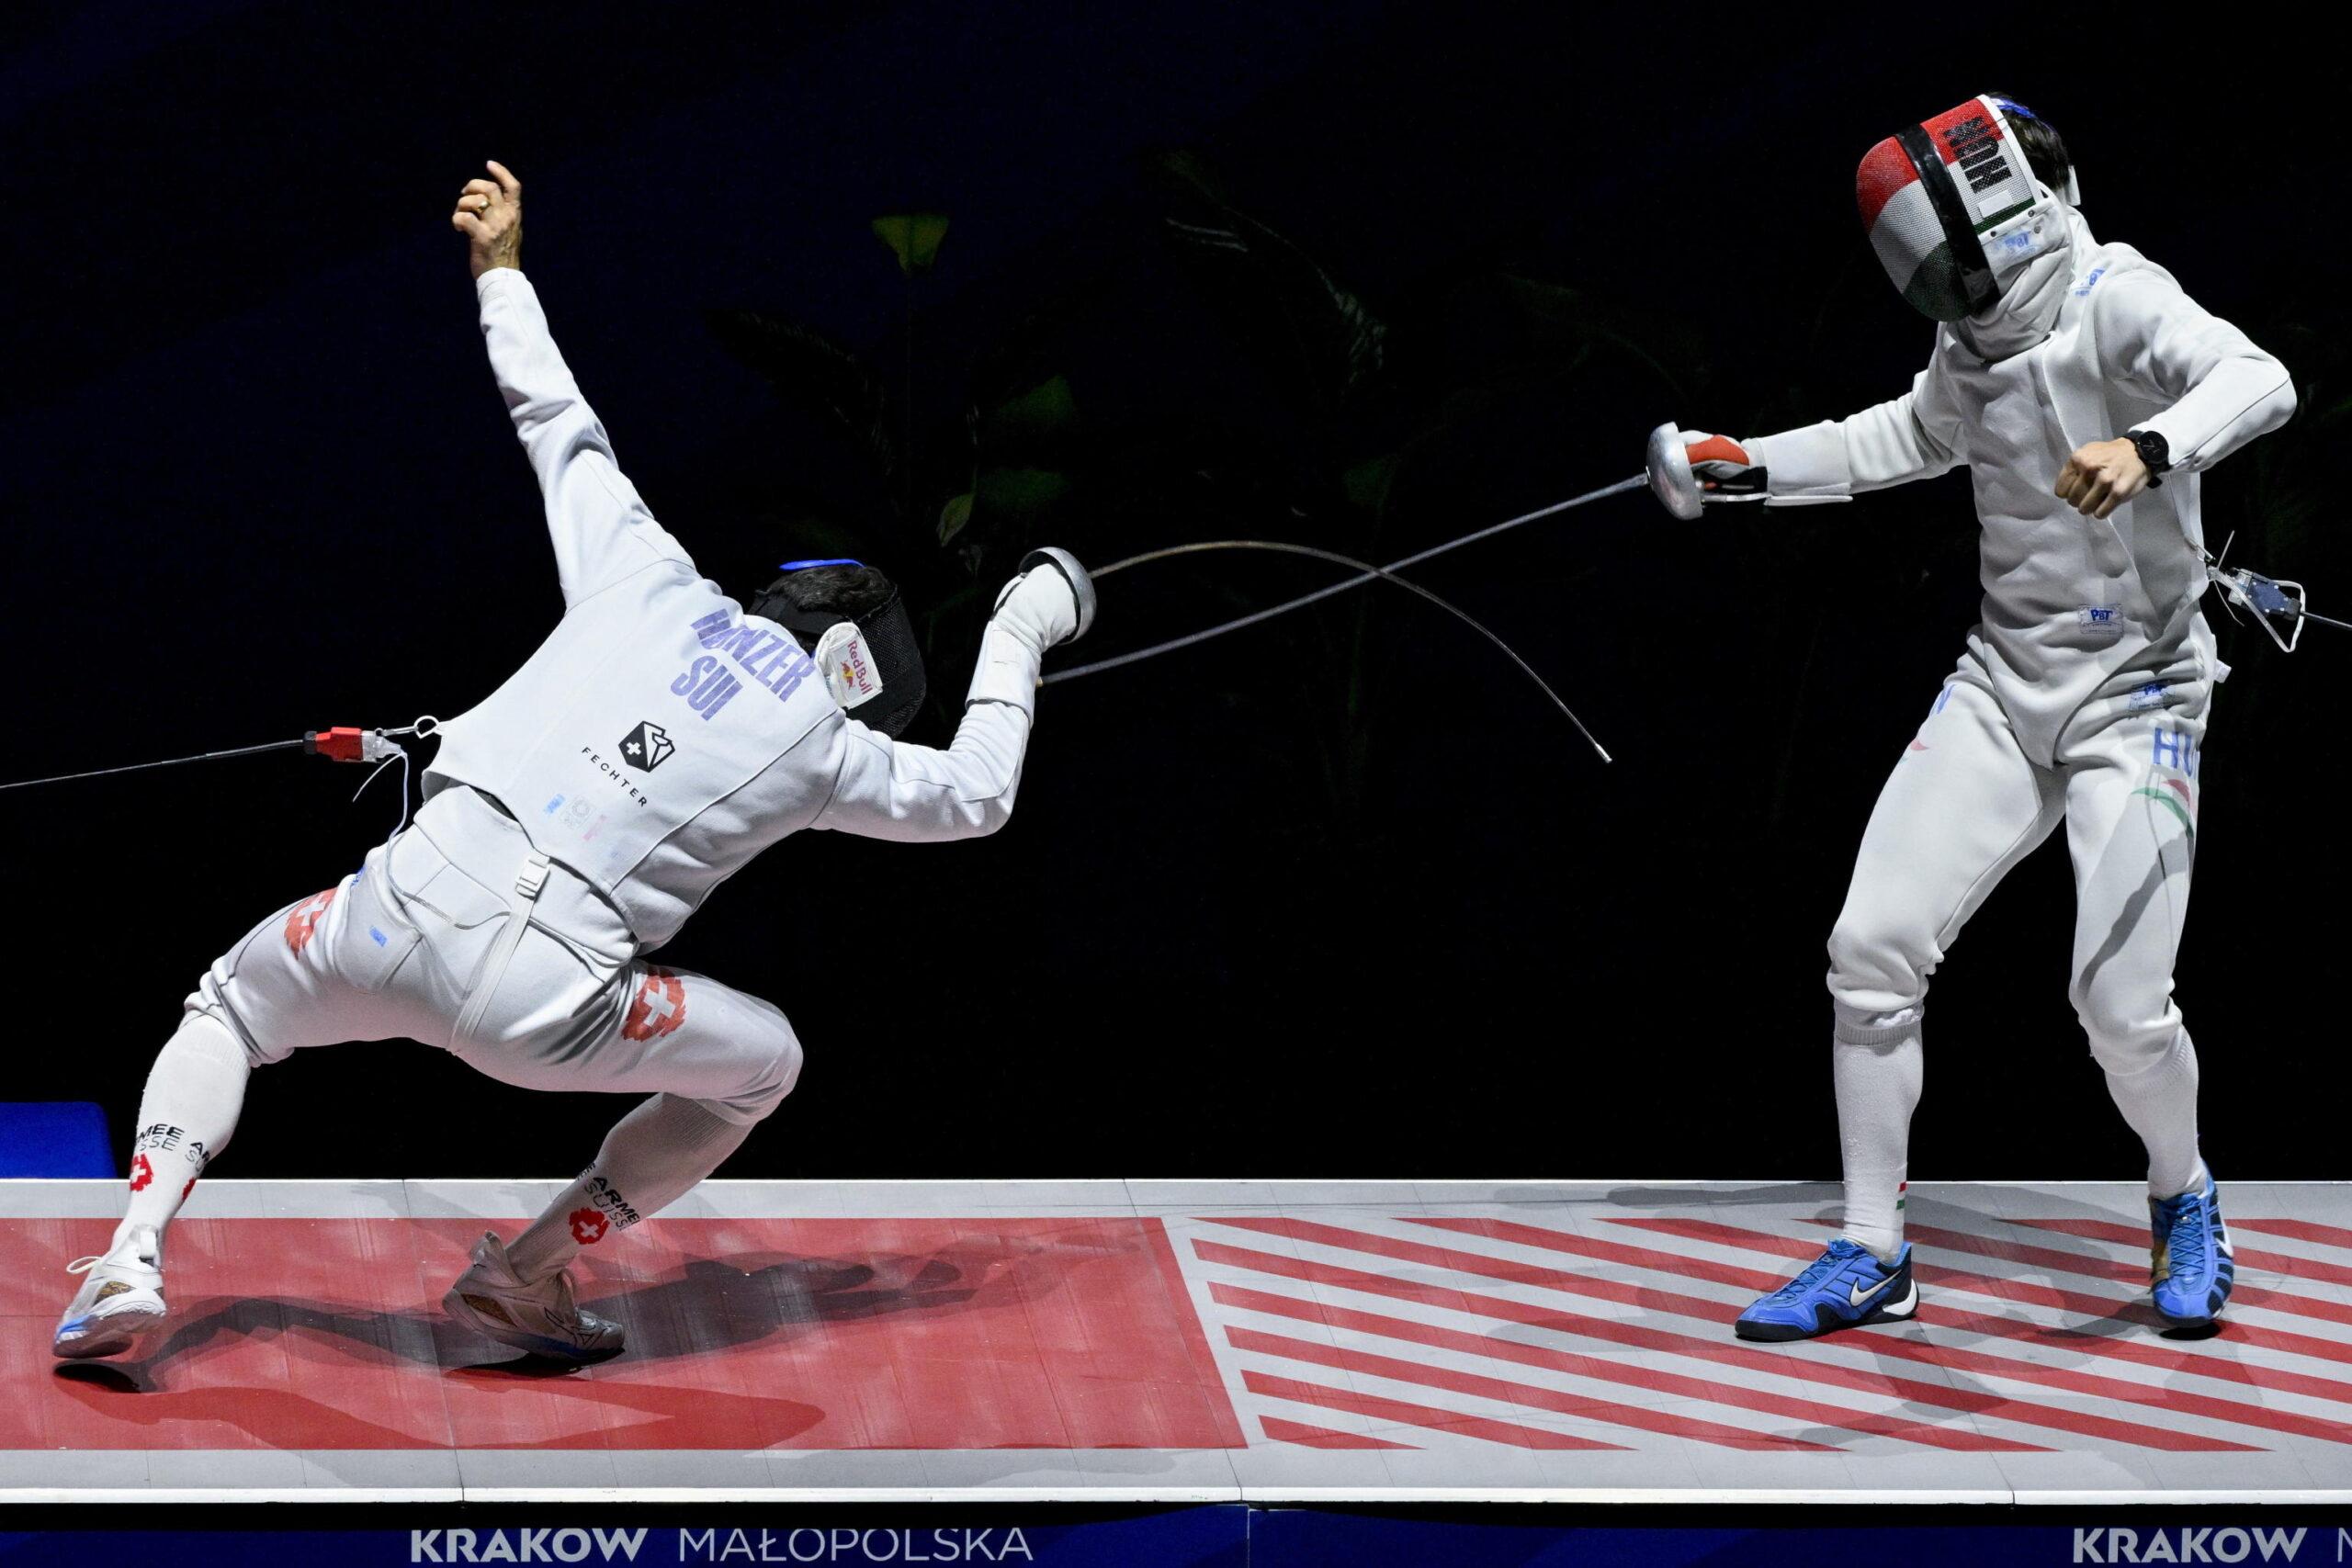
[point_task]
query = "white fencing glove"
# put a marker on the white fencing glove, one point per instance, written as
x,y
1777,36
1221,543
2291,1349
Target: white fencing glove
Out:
x,y
1050,602
1722,466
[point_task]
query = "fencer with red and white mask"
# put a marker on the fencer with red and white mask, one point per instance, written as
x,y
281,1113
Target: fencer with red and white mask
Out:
x,y
662,737
2087,394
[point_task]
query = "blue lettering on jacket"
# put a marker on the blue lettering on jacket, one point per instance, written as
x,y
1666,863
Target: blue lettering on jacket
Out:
x,y
706,686
774,661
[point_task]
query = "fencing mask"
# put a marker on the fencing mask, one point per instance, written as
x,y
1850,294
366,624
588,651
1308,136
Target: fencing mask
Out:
x,y
1954,209
852,621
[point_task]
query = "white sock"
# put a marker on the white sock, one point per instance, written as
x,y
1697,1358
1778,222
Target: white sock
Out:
x,y
194,1092
1879,1067
2160,1102
651,1160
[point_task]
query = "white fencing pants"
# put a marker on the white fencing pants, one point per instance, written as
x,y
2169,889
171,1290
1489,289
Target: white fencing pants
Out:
x,y
1965,804
439,929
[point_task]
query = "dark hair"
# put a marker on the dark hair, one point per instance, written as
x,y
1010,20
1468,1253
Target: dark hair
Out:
x,y
2045,149
847,593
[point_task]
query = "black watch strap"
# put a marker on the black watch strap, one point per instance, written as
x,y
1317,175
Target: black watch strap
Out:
x,y
2154,451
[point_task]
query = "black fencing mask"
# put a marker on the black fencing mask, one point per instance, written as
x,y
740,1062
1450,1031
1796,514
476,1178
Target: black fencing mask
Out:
x,y
852,621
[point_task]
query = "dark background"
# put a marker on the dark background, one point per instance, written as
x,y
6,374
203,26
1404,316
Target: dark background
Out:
x,y
1339,895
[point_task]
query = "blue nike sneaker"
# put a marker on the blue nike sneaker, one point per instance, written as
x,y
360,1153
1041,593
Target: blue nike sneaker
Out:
x,y
1845,1286
2192,1268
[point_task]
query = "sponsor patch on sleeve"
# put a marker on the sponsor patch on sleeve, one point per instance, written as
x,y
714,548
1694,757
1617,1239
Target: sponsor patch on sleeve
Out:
x,y
849,670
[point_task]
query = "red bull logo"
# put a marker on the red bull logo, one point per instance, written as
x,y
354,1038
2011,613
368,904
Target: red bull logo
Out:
x,y
856,674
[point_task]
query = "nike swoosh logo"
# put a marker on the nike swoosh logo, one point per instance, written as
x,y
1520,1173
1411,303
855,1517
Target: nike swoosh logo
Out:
x,y
1856,1298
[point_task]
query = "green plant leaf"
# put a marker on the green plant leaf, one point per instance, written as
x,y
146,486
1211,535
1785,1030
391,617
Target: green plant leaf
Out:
x,y
1038,415
953,515
810,372
1367,484
913,238
1019,493
1316,336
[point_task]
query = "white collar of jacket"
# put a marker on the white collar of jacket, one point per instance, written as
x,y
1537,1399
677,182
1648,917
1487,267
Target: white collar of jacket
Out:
x,y
2055,249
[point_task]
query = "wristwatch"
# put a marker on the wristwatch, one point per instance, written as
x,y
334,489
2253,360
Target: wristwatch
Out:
x,y
2154,451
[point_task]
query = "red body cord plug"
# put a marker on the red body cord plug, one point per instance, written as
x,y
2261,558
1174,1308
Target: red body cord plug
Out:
x,y
343,745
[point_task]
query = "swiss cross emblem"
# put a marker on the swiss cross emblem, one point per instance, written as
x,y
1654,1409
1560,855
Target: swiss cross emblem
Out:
x,y
304,921
141,1173
588,1227
659,1006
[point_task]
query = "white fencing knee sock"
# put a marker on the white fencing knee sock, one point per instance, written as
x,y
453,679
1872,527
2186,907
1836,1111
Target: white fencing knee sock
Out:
x,y
2160,1101
651,1160
1879,1064
194,1092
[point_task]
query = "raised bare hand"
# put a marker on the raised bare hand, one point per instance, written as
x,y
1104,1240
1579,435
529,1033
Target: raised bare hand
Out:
x,y
490,215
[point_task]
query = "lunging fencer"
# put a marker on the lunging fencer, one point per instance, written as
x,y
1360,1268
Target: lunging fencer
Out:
x,y
660,738
2087,394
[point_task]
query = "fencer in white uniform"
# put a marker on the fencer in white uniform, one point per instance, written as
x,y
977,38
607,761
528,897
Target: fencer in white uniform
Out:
x,y
2087,394
659,738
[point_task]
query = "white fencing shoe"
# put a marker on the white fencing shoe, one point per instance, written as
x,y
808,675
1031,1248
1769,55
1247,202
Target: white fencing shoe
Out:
x,y
540,1317
120,1303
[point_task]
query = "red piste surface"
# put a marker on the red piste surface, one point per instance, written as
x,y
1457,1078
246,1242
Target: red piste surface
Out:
x,y
945,1332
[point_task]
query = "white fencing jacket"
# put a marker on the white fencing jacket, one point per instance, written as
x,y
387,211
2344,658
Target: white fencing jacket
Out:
x,y
2073,606
662,737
